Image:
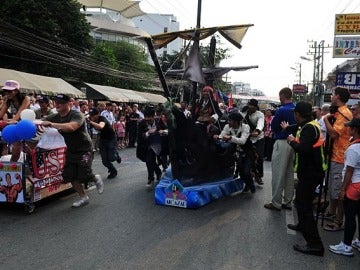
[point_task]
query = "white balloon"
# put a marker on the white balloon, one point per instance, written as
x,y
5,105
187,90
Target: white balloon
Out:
x,y
27,114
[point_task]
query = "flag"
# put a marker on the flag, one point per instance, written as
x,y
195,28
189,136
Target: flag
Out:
x,y
46,162
193,71
221,96
231,101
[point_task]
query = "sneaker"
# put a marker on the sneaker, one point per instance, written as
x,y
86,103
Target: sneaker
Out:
x,y
118,159
259,181
252,188
341,249
99,184
356,244
112,175
81,202
149,184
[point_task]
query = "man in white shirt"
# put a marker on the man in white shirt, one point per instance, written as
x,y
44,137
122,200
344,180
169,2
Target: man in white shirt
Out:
x,y
256,120
107,113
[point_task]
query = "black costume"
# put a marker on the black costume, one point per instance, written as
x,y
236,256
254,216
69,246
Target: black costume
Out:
x,y
310,172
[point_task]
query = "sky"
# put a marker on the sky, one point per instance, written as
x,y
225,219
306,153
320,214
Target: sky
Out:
x,y
283,31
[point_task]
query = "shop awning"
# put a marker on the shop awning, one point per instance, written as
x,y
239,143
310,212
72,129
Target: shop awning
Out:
x,y
125,95
37,84
153,98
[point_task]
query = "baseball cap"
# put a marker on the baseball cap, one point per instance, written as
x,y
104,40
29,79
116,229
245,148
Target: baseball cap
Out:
x,y
62,98
303,108
43,99
93,111
355,122
11,85
149,111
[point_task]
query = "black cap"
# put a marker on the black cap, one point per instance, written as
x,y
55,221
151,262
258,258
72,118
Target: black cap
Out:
x,y
303,108
43,99
149,111
235,116
93,111
62,98
355,122
253,102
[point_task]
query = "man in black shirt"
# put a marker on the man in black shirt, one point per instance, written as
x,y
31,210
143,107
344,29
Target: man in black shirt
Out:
x,y
107,142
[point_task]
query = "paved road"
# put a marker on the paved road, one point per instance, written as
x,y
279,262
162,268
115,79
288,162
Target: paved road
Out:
x,y
125,229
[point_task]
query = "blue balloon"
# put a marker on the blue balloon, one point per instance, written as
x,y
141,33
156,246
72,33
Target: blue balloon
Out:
x,y
9,134
25,129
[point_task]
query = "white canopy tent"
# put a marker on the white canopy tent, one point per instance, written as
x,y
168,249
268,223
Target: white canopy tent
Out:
x,y
126,8
37,84
126,95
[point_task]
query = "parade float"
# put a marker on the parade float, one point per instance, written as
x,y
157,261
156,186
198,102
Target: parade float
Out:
x,y
37,174
198,174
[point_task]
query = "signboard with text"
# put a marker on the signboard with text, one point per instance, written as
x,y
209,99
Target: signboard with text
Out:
x,y
347,24
346,47
299,88
350,80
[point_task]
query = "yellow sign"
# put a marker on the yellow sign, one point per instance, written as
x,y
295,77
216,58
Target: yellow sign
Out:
x,y
347,24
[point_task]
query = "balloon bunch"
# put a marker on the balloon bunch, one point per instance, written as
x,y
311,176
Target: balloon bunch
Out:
x,y
25,129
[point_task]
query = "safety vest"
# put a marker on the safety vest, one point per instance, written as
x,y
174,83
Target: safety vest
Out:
x,y
318,143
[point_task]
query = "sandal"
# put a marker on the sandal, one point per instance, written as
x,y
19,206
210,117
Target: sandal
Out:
x,y
327,216
333,226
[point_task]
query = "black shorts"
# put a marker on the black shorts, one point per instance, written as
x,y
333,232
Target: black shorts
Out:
x,y
79,171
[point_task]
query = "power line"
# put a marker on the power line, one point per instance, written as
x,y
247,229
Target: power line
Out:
x,y
15,37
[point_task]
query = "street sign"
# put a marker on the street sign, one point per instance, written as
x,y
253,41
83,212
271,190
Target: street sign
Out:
x,y
347,24
350,80
299,88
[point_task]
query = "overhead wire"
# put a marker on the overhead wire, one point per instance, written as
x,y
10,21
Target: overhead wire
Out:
x,y
57,51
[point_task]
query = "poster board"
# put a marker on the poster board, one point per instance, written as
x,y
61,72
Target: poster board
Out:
x,y
12,182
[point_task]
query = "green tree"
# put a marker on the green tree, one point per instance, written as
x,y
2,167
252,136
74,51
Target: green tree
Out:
x,y
171,61
59,21
220,53
134,71
34,28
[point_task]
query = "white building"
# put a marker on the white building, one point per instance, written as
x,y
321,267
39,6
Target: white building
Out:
x,y
158,24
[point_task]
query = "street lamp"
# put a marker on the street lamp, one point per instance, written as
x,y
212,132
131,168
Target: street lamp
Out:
x,y
299,64
305,58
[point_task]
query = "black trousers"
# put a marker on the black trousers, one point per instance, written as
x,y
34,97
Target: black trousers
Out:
x,y
305,194
152,166
351,209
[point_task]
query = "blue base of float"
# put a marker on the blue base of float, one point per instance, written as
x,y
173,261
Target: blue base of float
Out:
x,y
169,191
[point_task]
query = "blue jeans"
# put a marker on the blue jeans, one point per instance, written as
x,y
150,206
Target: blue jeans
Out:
x,y
108,153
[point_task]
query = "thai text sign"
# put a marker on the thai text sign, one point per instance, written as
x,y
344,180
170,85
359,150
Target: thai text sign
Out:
x,y
347,24
346,47
299,89
350,80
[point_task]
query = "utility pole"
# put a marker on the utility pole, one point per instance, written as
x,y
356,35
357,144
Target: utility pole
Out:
x,y
317,50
